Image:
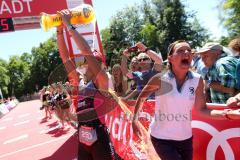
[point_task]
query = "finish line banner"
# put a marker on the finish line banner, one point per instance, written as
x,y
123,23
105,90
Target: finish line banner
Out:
x,y
212,139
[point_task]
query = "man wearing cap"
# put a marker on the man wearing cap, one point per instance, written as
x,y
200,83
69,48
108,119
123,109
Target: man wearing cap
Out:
x,y
93,99
221,77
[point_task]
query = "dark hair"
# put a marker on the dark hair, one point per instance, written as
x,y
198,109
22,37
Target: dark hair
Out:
x,y
170,50
172,45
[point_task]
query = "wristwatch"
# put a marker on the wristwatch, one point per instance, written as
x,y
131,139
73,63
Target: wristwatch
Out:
x,y
70,27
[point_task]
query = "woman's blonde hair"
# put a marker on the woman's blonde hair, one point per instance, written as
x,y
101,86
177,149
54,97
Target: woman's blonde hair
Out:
x,y
235,44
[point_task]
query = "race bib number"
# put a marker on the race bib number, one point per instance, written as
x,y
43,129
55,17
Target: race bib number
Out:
x,y
87,135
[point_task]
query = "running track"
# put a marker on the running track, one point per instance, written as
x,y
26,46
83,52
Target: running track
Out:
x,y
26,135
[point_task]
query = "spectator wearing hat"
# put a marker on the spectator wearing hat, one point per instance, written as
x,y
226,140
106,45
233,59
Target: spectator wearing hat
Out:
x,y
198,65
221,75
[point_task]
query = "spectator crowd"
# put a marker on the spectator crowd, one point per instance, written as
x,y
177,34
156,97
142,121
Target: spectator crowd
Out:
x,y
196,76
6,105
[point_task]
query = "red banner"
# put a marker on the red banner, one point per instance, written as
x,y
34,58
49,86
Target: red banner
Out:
x,y
21,8
216,139
213,139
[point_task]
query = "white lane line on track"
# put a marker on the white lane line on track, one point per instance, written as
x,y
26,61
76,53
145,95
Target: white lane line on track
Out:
x,y
24,115
7,119
20,123
50,129
33,146
1,128
16,139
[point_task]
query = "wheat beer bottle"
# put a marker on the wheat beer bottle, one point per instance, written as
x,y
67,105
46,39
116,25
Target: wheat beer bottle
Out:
x,y
83,14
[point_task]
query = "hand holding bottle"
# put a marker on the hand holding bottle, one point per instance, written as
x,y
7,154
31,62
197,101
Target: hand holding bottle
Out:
x,y
83,14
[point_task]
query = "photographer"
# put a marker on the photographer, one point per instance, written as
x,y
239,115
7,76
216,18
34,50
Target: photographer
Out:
x,y
148,62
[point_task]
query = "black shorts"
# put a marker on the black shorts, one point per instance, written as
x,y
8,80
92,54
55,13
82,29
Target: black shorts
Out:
x,y
102,149
173,150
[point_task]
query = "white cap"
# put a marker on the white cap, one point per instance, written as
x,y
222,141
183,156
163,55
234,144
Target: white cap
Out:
x,y
210,46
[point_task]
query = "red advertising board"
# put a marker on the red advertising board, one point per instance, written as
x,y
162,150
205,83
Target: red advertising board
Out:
x,y
21,8
212,139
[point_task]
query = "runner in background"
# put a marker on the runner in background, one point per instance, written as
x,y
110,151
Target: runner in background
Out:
x,y
44,97
63,102
93,141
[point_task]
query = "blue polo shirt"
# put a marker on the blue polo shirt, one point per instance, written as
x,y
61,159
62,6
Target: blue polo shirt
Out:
x,y
142,79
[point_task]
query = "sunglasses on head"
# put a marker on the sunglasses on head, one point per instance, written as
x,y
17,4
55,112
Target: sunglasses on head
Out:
x,y
143,59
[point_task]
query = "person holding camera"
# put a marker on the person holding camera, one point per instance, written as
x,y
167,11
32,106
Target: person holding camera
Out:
x,y
149,63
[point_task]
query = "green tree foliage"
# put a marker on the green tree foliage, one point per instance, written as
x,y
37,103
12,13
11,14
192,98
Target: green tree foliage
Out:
x,y
160,23
45,60
124,30
4,78
107,48
21,74
156,23
18,71
27,59
149,35
173,23
231,18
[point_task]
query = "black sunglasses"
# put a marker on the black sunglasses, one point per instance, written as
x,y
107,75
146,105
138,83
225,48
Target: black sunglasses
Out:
x,y
143,59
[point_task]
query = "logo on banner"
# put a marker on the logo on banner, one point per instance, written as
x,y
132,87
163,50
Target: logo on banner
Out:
x,y
219,138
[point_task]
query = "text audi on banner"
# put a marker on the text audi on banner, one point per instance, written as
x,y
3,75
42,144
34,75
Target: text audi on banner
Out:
x,y
212,139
